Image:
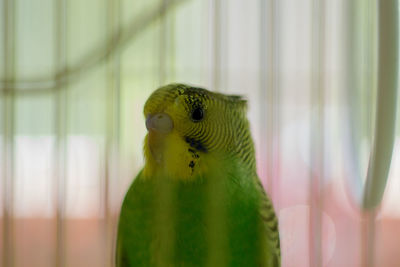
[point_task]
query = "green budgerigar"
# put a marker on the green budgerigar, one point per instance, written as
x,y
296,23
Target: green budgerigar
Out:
x,y
198,200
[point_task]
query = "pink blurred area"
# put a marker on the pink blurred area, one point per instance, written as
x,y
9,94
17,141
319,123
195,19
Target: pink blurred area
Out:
x,y
85,240
343,235
35,242
344,228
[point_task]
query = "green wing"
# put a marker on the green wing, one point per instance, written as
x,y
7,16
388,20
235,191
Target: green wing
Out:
x,y
133,208
267,213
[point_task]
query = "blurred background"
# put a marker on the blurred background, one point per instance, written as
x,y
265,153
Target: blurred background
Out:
x,y
74,76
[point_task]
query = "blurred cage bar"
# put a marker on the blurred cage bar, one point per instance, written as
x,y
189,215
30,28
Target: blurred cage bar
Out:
x,y
74,76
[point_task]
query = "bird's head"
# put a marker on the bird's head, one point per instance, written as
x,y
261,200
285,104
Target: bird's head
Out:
x,y
187,126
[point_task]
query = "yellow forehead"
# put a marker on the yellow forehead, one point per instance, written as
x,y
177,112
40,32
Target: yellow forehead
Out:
x,y
184,96
176,95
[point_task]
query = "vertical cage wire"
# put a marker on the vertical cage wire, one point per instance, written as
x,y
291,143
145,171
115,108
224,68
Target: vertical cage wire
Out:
x,y
317,133
216,77
60,128
264,77
269,94
113,24
369,79
352,52
164,38
166,48
275,101
8,163
366,87
367,240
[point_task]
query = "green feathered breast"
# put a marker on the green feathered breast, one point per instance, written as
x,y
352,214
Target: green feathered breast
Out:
x,y
215,220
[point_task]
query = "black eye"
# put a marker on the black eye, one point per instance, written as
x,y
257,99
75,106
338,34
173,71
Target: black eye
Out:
x,y
197,114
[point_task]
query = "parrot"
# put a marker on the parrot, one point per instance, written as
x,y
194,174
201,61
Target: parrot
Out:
x,y
198,200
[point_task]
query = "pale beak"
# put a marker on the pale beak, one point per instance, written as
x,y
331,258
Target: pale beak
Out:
x,y
159,123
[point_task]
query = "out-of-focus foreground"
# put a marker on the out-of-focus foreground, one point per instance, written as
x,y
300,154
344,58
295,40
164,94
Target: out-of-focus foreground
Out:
x,y
74,76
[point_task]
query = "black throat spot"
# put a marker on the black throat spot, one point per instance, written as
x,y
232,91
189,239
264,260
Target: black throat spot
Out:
x,y
196,144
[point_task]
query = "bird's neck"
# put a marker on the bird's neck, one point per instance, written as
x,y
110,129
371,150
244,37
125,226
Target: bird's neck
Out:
x,y
180,160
